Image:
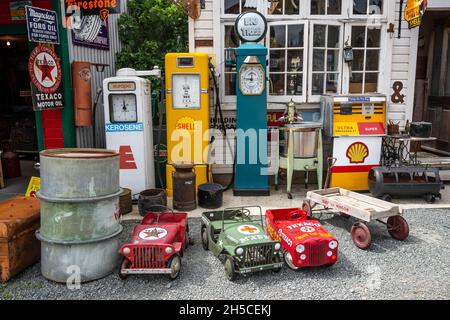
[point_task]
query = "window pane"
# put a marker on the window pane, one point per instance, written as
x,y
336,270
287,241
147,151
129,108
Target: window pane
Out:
x,y
295,84
375,6
278,36
231,6
292,7
317,6
333,36
356,83
277,84
332,60
358,36
295,35
275,7
231,40
319,35
317,83
371,82
373,38
359,6
334,6
372,60
295,60
230,84
318,60
277,60
358,60
331,83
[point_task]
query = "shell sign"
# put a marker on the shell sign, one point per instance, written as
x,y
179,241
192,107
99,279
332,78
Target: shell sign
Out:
x,y
357,152
414,11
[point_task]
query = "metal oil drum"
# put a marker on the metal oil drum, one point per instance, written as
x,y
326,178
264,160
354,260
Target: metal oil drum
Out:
x,y
183,181
80,213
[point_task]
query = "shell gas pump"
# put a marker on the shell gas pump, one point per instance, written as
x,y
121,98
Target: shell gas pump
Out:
x,y
356,124
187,114
128,126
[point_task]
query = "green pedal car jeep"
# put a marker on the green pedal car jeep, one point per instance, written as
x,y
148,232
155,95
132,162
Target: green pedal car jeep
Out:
x,y
240,237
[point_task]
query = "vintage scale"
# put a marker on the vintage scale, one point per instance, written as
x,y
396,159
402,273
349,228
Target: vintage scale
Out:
x,y
303,149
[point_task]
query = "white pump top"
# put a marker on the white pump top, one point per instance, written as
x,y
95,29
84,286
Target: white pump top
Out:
x,y
130,72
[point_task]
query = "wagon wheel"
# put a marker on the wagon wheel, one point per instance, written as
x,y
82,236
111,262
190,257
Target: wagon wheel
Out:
x,y
277,260
174,264
289,261
230,269
186,240
430,198
124,265
398,227
204,236
361,235
306,206
386,197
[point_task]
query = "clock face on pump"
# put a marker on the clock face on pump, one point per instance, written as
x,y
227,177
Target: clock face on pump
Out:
x,y
252,79
123,108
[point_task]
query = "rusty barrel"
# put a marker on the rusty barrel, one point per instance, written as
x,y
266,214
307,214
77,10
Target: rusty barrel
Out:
x,y
80,213
183,182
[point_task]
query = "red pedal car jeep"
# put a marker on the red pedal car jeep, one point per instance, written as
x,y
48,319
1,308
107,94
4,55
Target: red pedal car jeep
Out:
x,y
305,242
157,245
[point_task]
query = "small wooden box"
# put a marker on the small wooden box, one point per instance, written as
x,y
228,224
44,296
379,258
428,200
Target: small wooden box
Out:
x,y
19,248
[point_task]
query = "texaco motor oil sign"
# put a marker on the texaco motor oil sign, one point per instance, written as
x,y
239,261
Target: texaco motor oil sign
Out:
x,y
45,72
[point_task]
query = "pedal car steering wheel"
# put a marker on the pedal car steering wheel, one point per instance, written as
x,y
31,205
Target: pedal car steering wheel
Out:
x,y
242,213
297,214
158,213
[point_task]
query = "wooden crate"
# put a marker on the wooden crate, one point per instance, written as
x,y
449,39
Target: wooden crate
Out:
x,y
19,248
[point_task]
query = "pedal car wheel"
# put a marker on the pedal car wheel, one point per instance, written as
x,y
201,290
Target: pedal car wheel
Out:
x,y
430,198
186,241
289,261
277,260
124,265
230,269
306,206
398,228
204,238
361,235
386,197
174,264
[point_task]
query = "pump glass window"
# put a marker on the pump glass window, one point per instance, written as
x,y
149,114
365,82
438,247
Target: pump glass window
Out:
x,y
367,7
186,91
122,108
286,59
327,7
366,59
287,7
326,57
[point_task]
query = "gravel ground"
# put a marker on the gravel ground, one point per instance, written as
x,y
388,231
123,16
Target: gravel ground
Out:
x,y
417,268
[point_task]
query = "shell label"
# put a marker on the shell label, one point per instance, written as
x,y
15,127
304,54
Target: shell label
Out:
x,y
357,152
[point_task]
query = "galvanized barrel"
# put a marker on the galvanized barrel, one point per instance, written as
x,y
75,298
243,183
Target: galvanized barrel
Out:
x,y
80,213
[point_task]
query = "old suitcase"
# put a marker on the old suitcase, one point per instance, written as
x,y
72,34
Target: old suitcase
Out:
x,y
19,248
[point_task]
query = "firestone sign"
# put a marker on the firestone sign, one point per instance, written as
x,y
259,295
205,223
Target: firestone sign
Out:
x,y
251,26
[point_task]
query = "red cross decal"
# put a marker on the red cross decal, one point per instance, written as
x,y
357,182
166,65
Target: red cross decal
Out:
x,y
249,229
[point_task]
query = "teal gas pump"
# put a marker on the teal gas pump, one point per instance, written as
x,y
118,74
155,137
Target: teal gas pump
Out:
x,y
251,177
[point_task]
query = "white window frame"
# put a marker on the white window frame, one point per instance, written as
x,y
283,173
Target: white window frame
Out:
x,y
334,16
301,14
316,98
366,16
234,15
287,98
225,98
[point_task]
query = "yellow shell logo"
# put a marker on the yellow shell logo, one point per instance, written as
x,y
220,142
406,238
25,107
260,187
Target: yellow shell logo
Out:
x,y
185,123
357,152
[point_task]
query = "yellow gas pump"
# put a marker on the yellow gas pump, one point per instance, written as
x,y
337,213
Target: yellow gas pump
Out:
x,y
187,113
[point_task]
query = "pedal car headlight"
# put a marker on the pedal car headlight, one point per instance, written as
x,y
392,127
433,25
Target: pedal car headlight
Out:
x,y
277,246
126,250
300,248
333,244
303,256
239,251
329,253
168,250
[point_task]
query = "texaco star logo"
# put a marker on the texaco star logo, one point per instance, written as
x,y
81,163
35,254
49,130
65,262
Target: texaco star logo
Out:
x,y
248,230
44,69
153,233
307,229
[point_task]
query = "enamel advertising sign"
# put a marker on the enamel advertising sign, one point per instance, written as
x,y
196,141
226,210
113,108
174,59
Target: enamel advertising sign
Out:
x,y
42,25
414,11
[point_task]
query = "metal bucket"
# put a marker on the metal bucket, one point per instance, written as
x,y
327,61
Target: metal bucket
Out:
x,y
63,261
80,212
151,200
306,137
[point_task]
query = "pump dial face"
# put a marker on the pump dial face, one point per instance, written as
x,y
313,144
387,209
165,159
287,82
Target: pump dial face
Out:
x,y
123,108
186,91
252,79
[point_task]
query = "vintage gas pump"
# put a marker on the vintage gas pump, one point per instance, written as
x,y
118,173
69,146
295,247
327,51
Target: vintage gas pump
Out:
x,y
251,176
357,125
187,113
128,126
